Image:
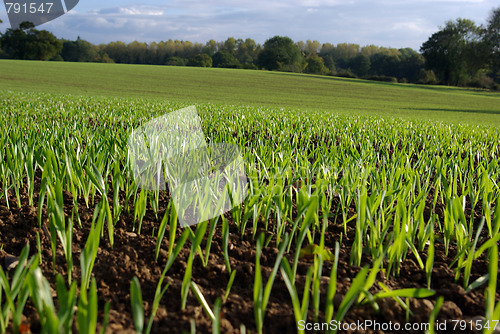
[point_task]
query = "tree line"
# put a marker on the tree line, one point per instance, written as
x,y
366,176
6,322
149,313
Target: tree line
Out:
x,y
461,53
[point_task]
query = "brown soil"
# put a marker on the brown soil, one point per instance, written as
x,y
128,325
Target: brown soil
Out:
x,y
134,255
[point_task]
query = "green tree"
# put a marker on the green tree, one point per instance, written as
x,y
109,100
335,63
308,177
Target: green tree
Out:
x,y
138,53
327,48
427,77
225,59
315,64
384,65
247,51
327,51
191,50
343,53
79,50
158,53
370,50
492,42
301,46
455,53
280,53
28,43
176,61
410,65
1,39
360,65
116,51
102,57
329,63
210,47
200,60
230,45
312,47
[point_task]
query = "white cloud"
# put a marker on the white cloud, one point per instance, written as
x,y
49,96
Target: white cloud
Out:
x,y
131,10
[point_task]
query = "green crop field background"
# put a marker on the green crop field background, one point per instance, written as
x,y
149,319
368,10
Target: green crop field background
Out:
x,y
256,88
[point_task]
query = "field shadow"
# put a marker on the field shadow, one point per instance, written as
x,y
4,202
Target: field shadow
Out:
x,y
494,112
434,88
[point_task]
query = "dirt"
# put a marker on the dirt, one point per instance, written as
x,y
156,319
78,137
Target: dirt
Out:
x,y
133,254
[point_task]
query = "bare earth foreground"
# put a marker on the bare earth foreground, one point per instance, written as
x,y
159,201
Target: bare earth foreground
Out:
x,y
134,255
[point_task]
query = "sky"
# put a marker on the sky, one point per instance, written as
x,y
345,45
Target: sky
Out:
x,y
388,23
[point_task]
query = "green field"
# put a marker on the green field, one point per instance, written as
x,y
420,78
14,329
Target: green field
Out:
x,y
365,200
256,88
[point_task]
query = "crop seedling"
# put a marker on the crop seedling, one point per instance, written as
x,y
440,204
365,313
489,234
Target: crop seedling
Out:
x,y
14,291
186,281
261,293
299,308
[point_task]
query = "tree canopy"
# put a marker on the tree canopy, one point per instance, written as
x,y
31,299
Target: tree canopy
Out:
x,y
454,53
315,64
78,50
29,43
225,59
279,53
200,60
492,38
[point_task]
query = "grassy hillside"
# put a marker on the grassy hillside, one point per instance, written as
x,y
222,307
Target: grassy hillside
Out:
x,y
249,87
